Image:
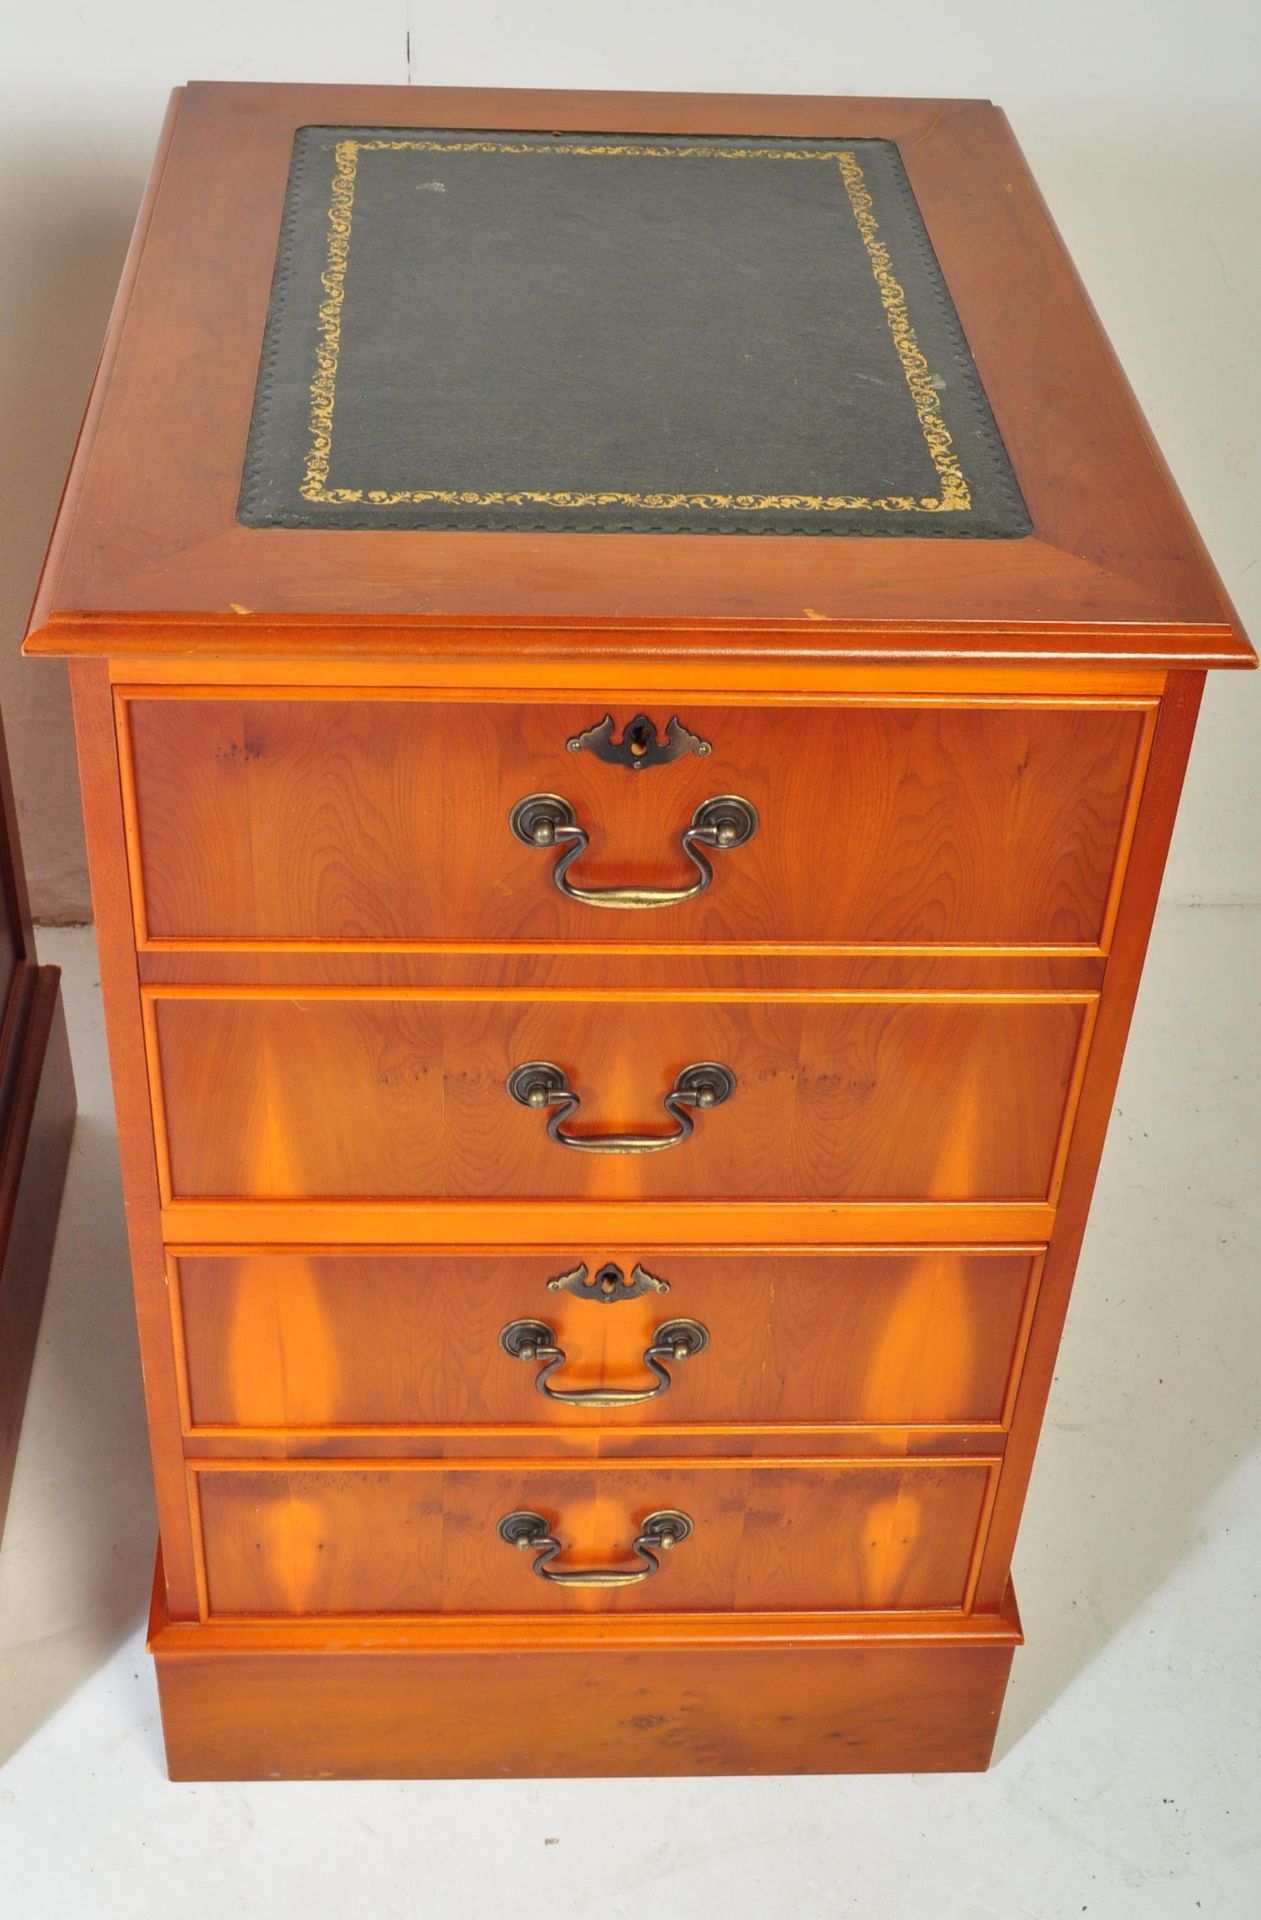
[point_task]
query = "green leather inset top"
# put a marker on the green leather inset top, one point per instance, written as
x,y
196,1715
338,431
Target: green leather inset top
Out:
x,y
615,333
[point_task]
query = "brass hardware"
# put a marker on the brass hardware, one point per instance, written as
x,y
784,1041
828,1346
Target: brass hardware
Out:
x,y
534,1340
537,1083
718,825
610,1284
639,746
659,1533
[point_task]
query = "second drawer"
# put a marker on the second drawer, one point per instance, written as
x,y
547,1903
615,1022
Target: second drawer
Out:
x,y
319,1341
283,1094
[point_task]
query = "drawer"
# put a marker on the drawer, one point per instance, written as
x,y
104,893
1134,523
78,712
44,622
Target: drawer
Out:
x,y
385,817
317,1341
425,1538
288,1095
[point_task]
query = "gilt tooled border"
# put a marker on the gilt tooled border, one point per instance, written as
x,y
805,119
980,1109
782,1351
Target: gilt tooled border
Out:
x,y
954,497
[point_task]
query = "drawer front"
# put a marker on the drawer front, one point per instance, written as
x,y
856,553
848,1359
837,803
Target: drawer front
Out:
x,y
869,1535
386,818
320,1341
339,1096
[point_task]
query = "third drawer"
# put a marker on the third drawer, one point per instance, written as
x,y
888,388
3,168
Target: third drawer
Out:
x,y
317,1341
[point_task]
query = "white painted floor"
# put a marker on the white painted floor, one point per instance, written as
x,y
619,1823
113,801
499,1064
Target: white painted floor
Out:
x,y
1129,1760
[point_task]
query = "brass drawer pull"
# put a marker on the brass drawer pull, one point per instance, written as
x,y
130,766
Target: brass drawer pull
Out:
x,y
537,1083
535,1340
658,1534
546,820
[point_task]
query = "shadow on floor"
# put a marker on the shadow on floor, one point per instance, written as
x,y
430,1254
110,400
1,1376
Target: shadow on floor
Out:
x,y
1154,1403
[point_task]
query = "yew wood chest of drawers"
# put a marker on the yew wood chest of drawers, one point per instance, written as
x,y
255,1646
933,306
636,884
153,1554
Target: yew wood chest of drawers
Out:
x,y
633,662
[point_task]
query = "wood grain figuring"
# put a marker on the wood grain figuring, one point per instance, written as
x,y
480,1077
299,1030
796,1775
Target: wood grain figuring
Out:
x,y
319,1341
337,1540
325,1097
368,819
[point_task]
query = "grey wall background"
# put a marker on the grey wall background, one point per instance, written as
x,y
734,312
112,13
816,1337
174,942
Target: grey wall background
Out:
x,y
1142,123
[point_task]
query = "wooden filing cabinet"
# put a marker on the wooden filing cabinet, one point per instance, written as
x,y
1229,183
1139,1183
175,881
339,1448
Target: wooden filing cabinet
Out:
x,y
632,688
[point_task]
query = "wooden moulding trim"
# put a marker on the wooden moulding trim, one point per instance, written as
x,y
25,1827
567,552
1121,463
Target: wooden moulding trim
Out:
x,y
562,1248
131,821
1152,646
1129,823
711,680
1023,1334
247,1434
228,1224
1072,1098
610,949
610,1463
1072,697
880,1433
232,990
124,696
587,949
657,1463
577,1633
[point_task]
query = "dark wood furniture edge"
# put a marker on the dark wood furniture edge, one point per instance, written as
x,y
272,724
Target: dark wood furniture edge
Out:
x,y
38,1126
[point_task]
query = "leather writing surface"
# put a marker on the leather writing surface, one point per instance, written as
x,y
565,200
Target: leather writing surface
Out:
x,y
611,333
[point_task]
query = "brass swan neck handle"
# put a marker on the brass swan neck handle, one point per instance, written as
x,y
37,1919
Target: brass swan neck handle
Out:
x,y
718,825
658,1534
542,1085
534,1340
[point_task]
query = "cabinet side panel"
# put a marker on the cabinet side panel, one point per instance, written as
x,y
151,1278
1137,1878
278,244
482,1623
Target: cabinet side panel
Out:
x,y
107,864
1162,789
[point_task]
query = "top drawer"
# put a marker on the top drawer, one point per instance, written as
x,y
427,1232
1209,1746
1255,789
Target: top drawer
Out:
x,y
384,817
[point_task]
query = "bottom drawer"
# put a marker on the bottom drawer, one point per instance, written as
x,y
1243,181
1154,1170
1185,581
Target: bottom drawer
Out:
x,y
429,1537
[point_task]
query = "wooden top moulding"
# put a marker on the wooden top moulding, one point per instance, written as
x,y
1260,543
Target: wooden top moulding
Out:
x,y
148,556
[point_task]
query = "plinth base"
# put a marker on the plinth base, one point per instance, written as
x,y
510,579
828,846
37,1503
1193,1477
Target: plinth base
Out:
x,y
513,1699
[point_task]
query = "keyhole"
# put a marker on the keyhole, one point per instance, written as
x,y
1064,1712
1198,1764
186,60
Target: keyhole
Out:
x,y
609,1279
639,737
